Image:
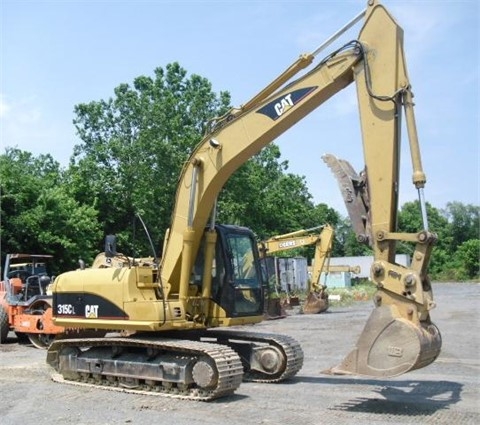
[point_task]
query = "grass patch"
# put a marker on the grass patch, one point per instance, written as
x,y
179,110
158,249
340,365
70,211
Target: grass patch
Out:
x,y
362,291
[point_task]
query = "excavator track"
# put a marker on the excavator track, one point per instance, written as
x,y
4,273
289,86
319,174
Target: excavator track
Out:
x,y
266,357
193,370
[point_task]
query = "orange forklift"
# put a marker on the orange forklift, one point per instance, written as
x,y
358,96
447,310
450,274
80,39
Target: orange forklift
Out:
x,y
25,301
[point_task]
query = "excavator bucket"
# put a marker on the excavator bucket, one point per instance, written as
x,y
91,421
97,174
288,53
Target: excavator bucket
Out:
x,y
275,309
316,302
390,346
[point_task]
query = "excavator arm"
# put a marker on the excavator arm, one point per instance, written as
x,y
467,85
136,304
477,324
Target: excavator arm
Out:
x,y
399,336
296,239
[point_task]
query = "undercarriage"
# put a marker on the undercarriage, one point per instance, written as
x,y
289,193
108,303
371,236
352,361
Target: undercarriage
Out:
x,y
206,366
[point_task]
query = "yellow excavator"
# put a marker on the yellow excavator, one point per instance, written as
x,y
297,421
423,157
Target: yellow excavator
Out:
x,y
183,312
317,297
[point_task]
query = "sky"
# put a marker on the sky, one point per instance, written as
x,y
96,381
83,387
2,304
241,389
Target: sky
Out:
x,y
60,53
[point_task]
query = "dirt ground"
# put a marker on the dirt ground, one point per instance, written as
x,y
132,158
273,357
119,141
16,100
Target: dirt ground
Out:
x,y
446,392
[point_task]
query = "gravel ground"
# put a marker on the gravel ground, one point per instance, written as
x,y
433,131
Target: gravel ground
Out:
x,y
446,392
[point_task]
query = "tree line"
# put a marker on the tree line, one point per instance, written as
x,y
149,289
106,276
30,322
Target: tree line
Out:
x,y
131,151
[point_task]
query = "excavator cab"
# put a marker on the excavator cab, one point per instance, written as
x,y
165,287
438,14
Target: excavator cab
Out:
x,y
236,276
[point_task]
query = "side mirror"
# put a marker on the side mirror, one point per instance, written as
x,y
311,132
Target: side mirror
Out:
x,y
110,246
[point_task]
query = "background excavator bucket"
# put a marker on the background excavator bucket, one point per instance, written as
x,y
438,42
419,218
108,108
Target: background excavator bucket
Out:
x,y
390,346
316,302
275,309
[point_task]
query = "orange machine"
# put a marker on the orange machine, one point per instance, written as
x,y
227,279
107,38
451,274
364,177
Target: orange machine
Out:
x,y
25,304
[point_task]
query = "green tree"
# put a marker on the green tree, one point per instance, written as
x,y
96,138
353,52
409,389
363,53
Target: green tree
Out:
x,y
467,259
463,259
464,222
38,213
134,145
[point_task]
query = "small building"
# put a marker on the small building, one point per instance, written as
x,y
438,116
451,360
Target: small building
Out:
x,y
288,273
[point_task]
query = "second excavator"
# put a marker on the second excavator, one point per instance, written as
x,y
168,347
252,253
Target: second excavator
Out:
x,y
185,314
320,236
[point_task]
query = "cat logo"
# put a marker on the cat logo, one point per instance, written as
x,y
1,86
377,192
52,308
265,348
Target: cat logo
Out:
x,y
91,311
279,106
283,104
